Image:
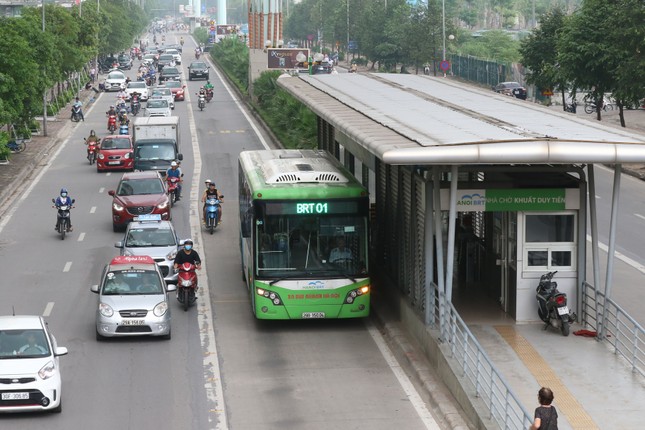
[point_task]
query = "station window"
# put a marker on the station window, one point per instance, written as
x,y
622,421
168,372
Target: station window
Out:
x,y
550,241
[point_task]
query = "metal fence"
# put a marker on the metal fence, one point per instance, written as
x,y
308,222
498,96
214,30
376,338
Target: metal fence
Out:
x,y
488,383
622,332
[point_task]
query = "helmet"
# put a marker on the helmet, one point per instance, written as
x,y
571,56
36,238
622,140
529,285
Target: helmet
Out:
x,y
207,181
92,133
211,184
111,106
188,242
63,190
173,164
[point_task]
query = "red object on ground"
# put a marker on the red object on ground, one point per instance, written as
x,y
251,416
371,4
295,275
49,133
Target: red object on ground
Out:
x,y
586,333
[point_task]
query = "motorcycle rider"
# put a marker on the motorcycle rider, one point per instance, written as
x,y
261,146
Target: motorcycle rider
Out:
x,y
188,255
77,104
181,41
92,138
134,99
64,200
211,192
198,52
175,172
209,88
111,111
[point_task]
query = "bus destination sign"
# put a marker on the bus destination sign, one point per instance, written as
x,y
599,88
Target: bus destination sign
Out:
x,y
312,208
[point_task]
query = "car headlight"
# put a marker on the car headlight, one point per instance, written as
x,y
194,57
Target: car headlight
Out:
x,y
160,309
162,205
101,156
117,207
127,155
106,310
171,255
47,371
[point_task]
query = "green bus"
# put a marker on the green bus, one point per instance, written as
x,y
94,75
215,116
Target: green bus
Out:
x,y
303,235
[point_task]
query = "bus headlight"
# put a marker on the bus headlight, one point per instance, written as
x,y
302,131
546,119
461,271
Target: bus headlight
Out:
x,y
271,295
351,295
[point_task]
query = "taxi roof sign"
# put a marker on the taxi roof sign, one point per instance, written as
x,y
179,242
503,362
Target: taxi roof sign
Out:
x,y
132,259
148,217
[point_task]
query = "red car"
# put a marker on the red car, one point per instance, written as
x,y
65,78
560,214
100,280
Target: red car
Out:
x,y
139,193
115,153
177,89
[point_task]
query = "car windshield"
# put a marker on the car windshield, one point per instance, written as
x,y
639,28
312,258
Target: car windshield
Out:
x,y
135,187
17,343
170,71
166,57
157,151
172,52
157,104
115,75
137,85
132,282
173,84
161,92
198,66
150,56
116,143
144,237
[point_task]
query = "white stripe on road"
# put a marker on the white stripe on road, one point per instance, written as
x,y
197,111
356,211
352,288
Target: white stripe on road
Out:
x,y
411,393
101,190
93,209
68,266
108,174
212,374
48,309
639,216
81,237
625,259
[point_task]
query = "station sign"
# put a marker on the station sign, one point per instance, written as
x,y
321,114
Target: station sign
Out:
x,y
284,58
514,200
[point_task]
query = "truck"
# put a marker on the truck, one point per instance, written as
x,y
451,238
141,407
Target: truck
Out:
x,y
156,143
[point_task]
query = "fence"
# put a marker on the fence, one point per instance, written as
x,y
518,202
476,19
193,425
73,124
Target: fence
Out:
x,y
622,332
504,406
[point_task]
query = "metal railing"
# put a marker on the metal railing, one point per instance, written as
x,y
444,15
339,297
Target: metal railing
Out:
x,y
488,383
622,332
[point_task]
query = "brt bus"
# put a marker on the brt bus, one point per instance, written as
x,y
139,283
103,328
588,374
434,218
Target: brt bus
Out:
x,y
303,236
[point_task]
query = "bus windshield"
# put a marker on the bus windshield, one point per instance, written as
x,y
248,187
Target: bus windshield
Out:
x,y
309,246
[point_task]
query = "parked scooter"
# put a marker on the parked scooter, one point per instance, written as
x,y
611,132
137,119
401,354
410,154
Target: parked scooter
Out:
x,y
76,113
571,107
62,222
212,214
92,150
186,285
552,305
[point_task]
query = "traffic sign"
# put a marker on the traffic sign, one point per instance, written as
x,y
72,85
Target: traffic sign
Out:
x,y
444,65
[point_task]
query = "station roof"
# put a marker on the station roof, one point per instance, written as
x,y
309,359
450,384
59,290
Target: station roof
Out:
x,y
415,119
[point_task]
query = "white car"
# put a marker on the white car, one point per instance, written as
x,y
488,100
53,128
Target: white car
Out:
x,y
164,93
176,54
157,106
137,87
115,81
29,368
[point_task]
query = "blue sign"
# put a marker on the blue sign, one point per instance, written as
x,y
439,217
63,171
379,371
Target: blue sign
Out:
x,y
353,45
203,8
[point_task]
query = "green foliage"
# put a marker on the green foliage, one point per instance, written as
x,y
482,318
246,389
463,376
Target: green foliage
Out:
x,y
495,45
291,121
5,152
233,56
201,35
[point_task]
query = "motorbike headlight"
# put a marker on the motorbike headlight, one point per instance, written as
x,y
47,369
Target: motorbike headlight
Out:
x,y
106,310
160,309
186,283
171,255
47,371
117,207
163,205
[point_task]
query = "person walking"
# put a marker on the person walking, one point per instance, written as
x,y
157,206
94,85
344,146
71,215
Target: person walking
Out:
x,y
93,74
546,417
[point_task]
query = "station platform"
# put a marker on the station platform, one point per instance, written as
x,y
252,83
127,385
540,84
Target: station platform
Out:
x,y
593,387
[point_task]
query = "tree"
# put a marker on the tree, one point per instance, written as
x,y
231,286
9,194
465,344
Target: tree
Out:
x,y
539,54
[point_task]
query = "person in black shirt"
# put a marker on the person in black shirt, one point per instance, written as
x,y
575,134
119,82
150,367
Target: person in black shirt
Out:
x,y
188,255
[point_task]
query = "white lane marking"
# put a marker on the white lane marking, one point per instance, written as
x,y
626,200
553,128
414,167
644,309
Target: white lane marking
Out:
x,y
68,266
411,392
48,309
81,237
212,374
639,216
625,259
237,103
93,209
101,190
598,197
108,174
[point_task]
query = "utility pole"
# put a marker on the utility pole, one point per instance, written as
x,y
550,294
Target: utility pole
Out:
x,y
45,91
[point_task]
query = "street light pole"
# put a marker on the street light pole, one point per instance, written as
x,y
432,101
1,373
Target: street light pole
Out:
x,y
45,91
443,30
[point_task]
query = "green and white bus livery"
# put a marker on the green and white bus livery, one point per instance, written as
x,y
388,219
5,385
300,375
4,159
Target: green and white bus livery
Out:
x,y
303,236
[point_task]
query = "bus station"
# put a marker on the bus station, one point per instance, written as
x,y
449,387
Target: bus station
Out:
x,y
475,196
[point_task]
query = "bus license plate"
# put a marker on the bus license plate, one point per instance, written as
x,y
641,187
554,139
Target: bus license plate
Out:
x,y
132,322
564,310
309,315
15,396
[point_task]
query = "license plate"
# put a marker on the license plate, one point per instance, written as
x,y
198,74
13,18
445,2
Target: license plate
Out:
x,y
15,396
310,315
564,310
113,163
132,322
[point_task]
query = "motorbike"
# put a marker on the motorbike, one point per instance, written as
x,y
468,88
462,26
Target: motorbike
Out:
x,y
17,145
135,107
552,305
201,103
92,150
111,124
186,285
209,95
62,221
212,214
197,54
76,113
173,189
571,107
